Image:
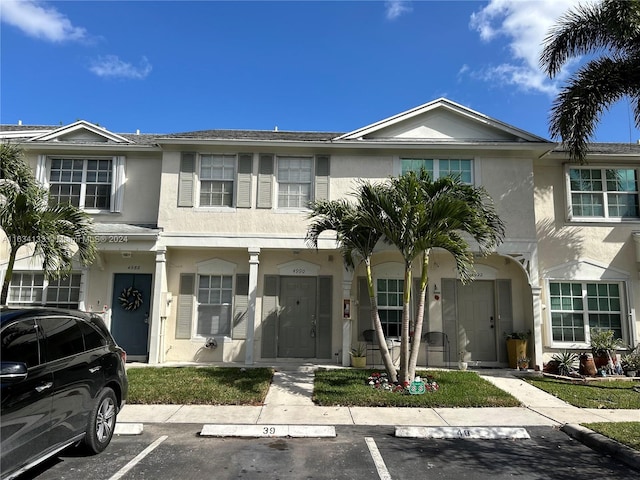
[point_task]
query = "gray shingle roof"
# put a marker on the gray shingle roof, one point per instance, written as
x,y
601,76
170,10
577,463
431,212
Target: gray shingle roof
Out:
x,y
254,135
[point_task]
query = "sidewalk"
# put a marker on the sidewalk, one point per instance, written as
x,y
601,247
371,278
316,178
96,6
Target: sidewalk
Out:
x,y
289,402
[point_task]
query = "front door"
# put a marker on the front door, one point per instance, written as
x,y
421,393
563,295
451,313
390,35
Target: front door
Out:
x,y
476,317
130,313
297,320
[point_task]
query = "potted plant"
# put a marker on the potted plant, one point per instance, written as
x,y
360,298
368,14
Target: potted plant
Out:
x,y
565,362
603,347
462,362
631,362
523,363
516,346
359,356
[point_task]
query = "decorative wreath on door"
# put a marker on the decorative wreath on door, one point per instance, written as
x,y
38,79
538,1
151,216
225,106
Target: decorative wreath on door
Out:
x,y
130,299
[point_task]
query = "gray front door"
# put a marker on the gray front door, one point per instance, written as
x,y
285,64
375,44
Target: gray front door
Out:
x,y
297,321
476,320
130,313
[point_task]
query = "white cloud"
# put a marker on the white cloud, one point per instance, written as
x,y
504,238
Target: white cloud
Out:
x,y
395,8
37,20
112,66
525,24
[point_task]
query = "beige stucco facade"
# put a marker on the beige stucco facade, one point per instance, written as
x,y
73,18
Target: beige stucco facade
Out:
x,y
277,299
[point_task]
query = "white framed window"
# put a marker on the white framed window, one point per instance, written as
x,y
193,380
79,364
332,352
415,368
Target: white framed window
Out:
x,y
294,179
84,183
31,288
441,167
603,193
389,294
217,176
214,300
577,307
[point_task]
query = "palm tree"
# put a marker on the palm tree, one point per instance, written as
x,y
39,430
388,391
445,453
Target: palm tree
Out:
x,y
417,215
55,232
357,241
611,28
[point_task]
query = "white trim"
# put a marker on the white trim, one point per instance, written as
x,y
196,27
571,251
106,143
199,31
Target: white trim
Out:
x,y
445,104
76,127
216,266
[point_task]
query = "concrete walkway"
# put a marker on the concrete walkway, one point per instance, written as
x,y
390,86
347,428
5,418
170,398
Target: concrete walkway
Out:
x,y
289,401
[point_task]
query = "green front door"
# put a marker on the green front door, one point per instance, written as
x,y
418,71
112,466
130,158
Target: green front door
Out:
x,y
297,326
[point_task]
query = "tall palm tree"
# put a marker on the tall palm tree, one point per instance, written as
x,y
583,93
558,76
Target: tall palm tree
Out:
x,y
612,29
55,232
417,215
357,240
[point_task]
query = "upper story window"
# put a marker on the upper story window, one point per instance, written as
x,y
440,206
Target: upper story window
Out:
x,y
93,184
442,167
577,307
603,193
28,288
84,183
217,178
294,181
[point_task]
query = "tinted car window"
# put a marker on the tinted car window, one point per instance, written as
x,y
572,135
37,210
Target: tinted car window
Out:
x,y
20,343
92,337
63,337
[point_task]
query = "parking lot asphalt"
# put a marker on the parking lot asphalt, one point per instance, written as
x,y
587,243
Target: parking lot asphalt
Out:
x,y
289,402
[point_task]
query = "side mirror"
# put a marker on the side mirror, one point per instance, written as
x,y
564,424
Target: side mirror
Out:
x,y
12,372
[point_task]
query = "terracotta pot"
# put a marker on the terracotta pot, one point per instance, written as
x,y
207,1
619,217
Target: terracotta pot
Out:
x,y
601,360
587,365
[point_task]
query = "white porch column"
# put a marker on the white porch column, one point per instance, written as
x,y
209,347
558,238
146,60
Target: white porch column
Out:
x,y
537,326
254,253
159,311
347,280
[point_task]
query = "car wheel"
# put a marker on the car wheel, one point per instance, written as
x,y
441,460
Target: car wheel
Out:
x,y
101,423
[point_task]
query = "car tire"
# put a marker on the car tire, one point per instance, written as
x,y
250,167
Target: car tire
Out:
x,y
102,422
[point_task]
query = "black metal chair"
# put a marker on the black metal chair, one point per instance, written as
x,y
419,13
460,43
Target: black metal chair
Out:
x,y
437,339
371,341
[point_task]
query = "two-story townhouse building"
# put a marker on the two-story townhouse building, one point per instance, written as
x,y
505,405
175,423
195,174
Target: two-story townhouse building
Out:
x,y
203,254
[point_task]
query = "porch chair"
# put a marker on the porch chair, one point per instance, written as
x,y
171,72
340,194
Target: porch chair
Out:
x,y
438,340
371,342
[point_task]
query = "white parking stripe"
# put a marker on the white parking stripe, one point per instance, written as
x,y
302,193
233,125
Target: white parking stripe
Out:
x,y
122,472
383,473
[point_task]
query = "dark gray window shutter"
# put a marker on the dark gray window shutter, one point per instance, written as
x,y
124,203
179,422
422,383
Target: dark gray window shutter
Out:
x,y
449,313
325,292
265,181
184,315
245,170
241,306
505,314
322,177
186,179
270,316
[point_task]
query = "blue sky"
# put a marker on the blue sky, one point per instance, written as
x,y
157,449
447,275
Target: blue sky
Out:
x,y
165,66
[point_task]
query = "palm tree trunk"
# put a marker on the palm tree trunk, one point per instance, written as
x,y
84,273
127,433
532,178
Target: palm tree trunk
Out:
x,y
417,329
406,317
7,276
392,375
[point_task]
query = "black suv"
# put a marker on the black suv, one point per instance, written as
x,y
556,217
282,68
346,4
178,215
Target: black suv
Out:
x,y
62,382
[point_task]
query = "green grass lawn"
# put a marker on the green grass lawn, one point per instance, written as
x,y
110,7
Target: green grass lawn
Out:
x,y
198,385
347,387
627,433
593,394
